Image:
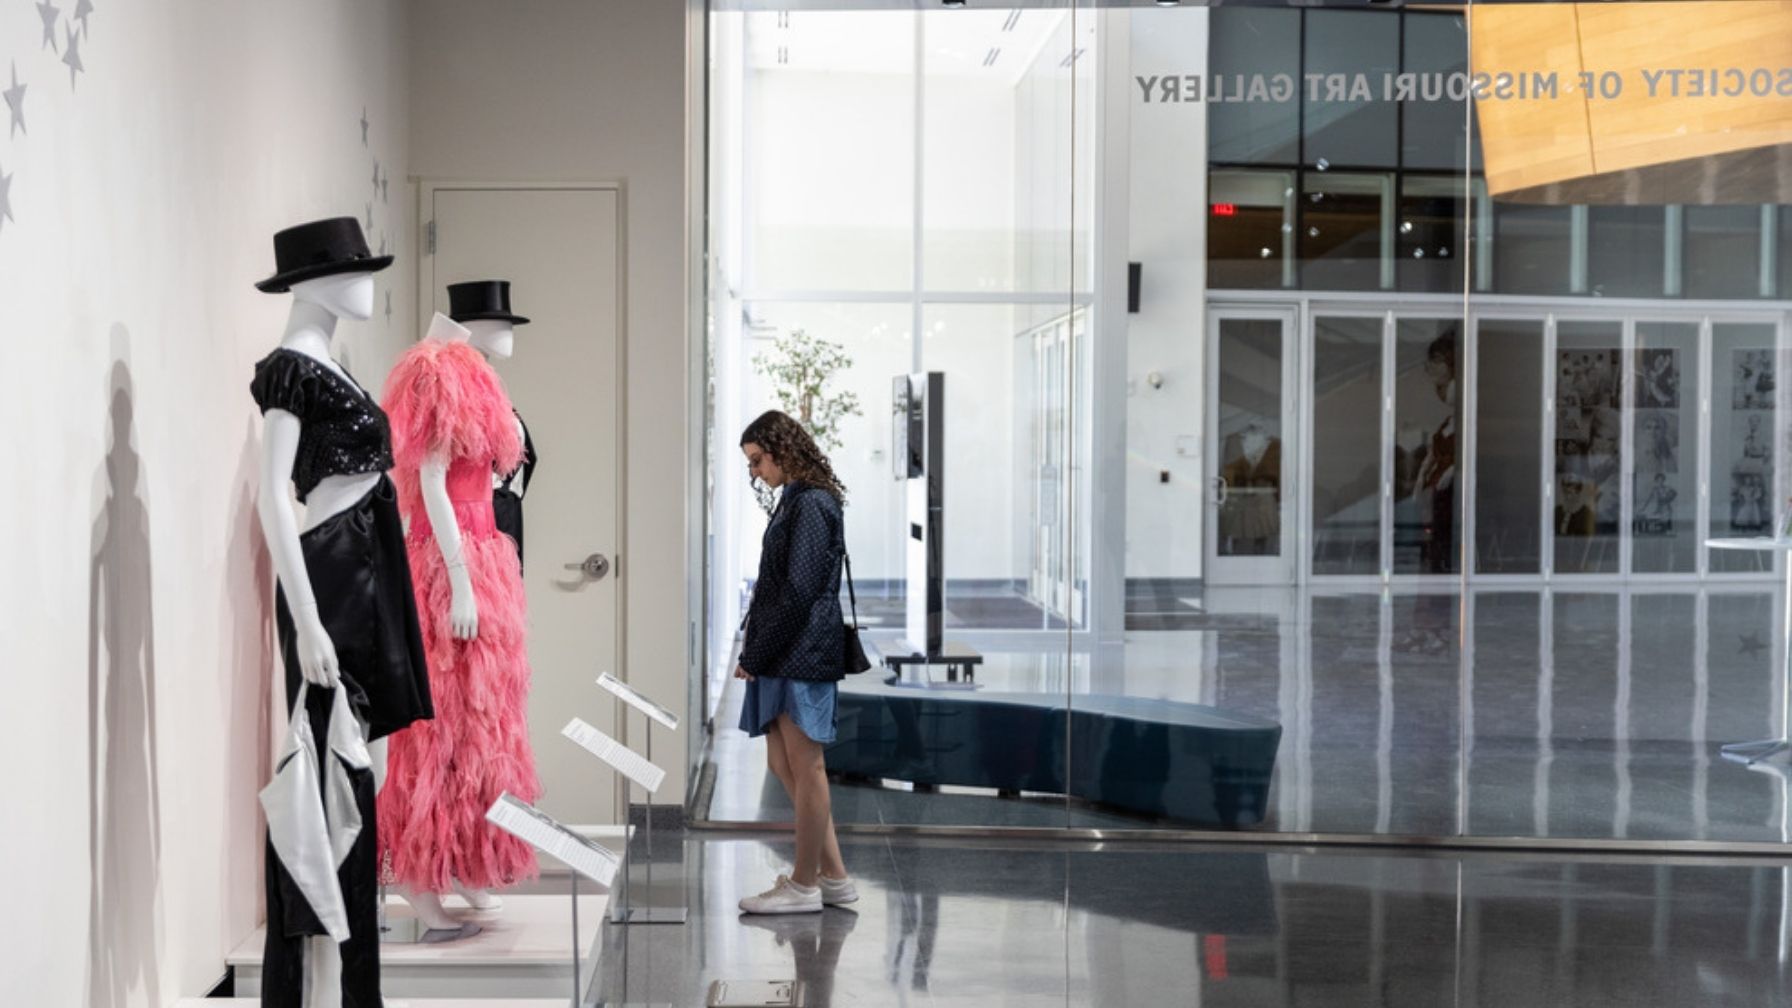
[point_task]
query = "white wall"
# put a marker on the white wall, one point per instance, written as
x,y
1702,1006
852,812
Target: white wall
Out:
x,y
572,90
135,600
829,180
1168,235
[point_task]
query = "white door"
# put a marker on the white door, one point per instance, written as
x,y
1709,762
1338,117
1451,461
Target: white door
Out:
x,y
1250,449
561,250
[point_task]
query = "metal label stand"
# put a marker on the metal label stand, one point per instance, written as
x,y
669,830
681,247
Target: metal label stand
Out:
x,y
626,912
575,941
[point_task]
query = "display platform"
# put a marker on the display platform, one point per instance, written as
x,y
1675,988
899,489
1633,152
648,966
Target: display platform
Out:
x,y
1189,762
395,1003
525,951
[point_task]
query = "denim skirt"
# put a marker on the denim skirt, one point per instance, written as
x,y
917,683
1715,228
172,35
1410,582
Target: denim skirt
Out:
x,y
809,704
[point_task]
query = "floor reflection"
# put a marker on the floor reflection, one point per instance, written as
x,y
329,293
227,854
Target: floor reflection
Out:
x,y
814,942
917,923
978,923
1507,712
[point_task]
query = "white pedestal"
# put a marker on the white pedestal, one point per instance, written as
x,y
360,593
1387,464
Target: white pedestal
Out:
x,y
524,952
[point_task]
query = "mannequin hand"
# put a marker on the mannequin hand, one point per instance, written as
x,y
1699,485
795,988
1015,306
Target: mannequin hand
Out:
x,y
742,673
317,653
463,611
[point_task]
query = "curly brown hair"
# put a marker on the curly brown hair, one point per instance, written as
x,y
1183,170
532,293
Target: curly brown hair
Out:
x,y
789,444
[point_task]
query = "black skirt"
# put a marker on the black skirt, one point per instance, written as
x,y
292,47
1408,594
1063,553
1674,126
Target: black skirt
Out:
x,y
507,499
361,578
507,514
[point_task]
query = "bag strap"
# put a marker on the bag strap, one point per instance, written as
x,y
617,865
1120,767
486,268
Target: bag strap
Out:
x,y
851,595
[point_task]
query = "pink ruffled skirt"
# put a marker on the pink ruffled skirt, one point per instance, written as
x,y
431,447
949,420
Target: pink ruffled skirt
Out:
x,y
445,773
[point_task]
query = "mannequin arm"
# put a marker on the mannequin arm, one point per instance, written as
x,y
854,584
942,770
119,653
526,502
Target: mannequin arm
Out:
x,y
280,527
463,613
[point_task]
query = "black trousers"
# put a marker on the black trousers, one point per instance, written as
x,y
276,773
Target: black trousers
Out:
x,y
291,920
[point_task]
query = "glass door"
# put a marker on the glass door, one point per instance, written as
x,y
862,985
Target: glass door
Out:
x,y
1248,509
1055,581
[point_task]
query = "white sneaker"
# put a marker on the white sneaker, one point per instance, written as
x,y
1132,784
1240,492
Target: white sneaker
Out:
x,y
837,892
784,898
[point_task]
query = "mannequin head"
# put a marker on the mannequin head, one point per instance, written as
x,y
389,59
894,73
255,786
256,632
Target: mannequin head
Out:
x,y
344,295
1440,366
493,337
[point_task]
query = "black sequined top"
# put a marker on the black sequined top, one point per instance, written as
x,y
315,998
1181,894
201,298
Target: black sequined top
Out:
x,y
343,431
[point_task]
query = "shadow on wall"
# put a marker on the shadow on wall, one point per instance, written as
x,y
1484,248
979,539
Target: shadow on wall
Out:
x,y
124,809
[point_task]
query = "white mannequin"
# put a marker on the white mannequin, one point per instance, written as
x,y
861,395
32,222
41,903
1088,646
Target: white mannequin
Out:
x,y
316,305
1255,443
463,615
496,339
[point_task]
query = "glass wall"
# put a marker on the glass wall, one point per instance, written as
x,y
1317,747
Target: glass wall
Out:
x,y
1350,420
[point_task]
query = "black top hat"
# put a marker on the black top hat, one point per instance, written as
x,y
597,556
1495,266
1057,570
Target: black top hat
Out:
x,y
482,299
320,249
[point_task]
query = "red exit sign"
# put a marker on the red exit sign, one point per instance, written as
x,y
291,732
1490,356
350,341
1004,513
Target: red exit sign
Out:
x,y
1225,209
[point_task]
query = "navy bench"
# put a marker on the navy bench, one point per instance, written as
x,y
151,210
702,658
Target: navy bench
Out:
x,y
1159,758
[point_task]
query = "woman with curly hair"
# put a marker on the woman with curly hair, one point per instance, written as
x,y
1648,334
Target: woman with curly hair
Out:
x,y
792,657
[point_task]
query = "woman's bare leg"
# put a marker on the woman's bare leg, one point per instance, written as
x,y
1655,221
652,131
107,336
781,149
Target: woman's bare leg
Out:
x,y
814,815
832,864
776,761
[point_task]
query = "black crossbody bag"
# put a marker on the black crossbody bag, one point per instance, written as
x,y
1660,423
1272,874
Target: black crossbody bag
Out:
x,y
854,649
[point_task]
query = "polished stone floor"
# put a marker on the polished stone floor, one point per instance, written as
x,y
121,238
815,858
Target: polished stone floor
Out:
x,y
945,923
1586,713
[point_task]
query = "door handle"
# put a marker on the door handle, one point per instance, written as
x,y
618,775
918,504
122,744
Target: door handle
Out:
x,y
1220,490
595,567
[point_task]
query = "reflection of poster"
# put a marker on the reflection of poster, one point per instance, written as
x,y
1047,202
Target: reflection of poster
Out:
x,y
1657,441
1587,378
1589,431
1751,379
1749,509
1753,444
1654,505
1657,379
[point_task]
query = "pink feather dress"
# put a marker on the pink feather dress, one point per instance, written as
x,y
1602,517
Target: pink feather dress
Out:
x,y
443,399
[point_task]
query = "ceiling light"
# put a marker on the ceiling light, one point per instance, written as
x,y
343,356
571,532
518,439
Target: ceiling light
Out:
x,y
1169,3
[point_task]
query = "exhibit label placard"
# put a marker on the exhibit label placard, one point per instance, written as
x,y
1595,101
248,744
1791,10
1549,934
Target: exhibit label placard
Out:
x,y
546,834
621,757
634,699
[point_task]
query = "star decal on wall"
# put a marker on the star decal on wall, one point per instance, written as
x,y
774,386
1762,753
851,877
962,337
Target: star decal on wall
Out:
x,y
370,216
388,306
382,243
364,125
386,188
376,177
71,55
15,101
49,12
5,199
82,9
1752,644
